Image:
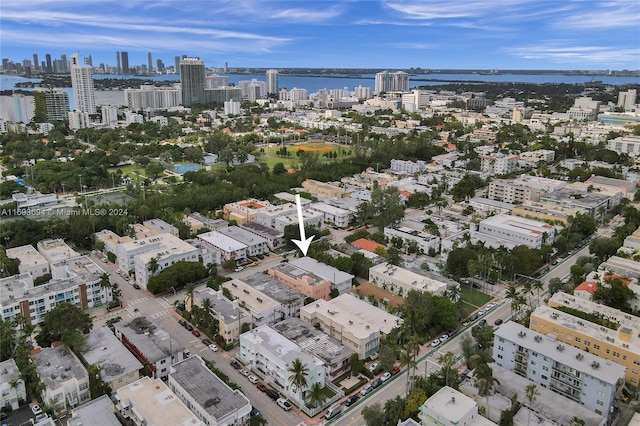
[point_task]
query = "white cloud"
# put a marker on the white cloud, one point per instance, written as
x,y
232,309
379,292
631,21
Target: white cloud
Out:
x,y
585,54
612,14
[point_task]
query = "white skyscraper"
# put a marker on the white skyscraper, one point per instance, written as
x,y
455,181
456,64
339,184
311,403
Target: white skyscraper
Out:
x,y
272,81
82,84
391,82
627,100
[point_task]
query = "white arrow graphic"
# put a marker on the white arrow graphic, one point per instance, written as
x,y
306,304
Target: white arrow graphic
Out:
x,y
304,242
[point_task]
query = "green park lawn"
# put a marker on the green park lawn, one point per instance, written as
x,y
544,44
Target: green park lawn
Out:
x,y
472,299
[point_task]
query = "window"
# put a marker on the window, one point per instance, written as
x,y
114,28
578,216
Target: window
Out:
x,y
578,340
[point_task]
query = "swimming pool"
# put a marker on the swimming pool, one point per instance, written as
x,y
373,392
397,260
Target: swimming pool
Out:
x,y
186,167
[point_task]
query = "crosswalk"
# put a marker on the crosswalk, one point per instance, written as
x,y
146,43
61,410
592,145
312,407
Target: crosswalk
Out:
x,y
137,301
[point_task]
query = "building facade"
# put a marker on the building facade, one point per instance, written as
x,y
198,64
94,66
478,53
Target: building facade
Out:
x,y
192,81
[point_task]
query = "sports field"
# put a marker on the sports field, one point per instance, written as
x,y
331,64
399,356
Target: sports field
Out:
x,y
273,154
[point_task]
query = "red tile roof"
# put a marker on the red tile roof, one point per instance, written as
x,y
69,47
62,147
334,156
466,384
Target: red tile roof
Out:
x,y
366,244
588,286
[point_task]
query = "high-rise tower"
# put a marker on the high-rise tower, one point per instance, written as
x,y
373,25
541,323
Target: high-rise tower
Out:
x,y
125,62
272,81
118,65
192,81
82,84
149,63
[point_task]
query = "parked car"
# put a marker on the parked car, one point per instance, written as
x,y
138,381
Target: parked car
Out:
x,y
435,343
498,321
376,383
189,327
245,373
482,321
206,342
262,387
395,370
36,409
444,338
255,413
374,366
136,286
182,322
253,379
351,400
213,347
272,394
333,411
196,333
386,376
235,365
284,404
366,389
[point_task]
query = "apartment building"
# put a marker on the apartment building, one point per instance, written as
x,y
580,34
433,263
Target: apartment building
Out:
x,y
229,248
619,343
401,281
231,317
498,164
449,407
66,381
622,266
12,389
336,216
340,281
99,411
537,156
209,398
409,167
159,226
509,191
268,216
519,230
536,211
333,353
111,240
31,262
244,211
150,402
355,323
574,373
410,232
118,367
583,201
76,281
263,309
310,218
290,300
210,224
305,282
274,239
270,355
150,344
255,245
322,189
55,250
628,144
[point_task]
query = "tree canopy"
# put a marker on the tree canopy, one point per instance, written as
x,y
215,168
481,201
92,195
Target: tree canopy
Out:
x,y
63,321
384,209
177,276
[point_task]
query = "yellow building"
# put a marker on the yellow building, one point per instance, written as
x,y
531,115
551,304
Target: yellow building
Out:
x,y
615,339
322,189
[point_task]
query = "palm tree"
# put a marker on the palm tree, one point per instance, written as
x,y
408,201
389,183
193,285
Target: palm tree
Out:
x,y
446,362
407,358
481,357
153,265
207,308
316,395
188,299
531,393
468,348
485,382
298,375
512,294
105,281
575,421
538,285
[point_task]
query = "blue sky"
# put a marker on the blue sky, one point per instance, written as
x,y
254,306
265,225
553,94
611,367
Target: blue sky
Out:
x,y
431,34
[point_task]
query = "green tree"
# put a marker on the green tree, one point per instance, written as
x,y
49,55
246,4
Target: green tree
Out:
x,y
468,347
7,340
485,382
316,395
447,370
374,415
357,365
394,410
408,359
576,421
458,261
416,398
387,357
531,393
279,169
604,247
62,321
298,373
384,209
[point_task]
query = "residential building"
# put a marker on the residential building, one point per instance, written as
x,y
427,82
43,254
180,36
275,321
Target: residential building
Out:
x,y
82,84
498,164
585,202
542,213
340,281
622,266
210,224
333,353
57,103
66,381
77,281
412,233
31,262
229,247
12,389
627,100
270,354
99,411
231,317
149,97
244,211
78,120
111,240
262,308
310,218
161,227
532,158
322,189
409,167
150,344
255,245
619,344
584,109
305,282
601,183
55,250
355,323
571,372
449,407
272,81
150,402
208,397
368,245
268,215
386,81
504,106
290,300
401,281
333,215
118,367
519,230
273,238
192,82
509,191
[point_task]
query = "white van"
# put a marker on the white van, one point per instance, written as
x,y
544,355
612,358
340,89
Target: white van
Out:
x,y
333,411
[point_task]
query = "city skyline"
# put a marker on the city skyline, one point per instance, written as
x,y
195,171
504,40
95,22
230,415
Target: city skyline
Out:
x,y
525,34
